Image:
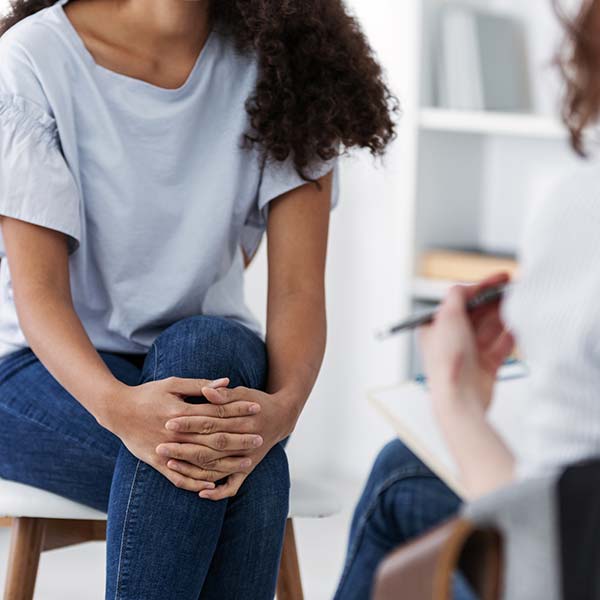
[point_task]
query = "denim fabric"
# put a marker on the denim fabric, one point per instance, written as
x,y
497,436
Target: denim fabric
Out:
x,y
401,500
163,542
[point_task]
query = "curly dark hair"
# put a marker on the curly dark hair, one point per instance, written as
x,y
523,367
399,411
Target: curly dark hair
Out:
x,y
320,90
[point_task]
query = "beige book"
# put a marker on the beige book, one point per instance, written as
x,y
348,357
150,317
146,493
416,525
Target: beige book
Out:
x,y
463,266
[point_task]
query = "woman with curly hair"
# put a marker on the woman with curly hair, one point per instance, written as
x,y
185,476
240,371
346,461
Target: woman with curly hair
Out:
x,y
146,146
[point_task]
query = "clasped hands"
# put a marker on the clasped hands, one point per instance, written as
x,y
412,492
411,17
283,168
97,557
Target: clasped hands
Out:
x,y
207,448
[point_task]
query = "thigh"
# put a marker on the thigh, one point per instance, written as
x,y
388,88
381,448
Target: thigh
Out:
x,y
48,439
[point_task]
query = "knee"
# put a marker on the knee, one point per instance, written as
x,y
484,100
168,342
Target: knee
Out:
x,y
269,484
395,457
210,348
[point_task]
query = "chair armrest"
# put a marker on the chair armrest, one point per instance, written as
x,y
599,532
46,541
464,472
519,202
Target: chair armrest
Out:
x,y
423,569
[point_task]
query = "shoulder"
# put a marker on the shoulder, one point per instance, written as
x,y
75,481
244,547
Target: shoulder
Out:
x,y
27,52
238,67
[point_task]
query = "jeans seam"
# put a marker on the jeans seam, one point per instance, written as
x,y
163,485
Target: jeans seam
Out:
x,y
398,475
120,575
66,436
120,570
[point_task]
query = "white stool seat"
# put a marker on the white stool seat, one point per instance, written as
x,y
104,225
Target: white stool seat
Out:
x,y
17,500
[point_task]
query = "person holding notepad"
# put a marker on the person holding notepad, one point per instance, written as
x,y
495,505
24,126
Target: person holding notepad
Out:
x,y
552,313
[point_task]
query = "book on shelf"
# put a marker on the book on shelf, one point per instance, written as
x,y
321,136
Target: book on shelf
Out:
x,y
463,266
482,61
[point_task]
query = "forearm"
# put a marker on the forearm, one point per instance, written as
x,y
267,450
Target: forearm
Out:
x,y
485,462
56,335
296,337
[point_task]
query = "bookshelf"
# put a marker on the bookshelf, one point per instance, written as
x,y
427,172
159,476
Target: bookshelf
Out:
x,y
479,174
491,123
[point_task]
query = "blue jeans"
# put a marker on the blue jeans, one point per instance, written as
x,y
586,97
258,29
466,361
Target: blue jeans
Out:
x,y
162,542
401,500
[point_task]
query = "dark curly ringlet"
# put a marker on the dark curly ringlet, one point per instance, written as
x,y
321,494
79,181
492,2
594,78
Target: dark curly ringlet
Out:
x,y
320,90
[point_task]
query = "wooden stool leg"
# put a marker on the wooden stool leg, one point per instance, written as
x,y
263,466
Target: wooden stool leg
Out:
x,y
289,585
26,546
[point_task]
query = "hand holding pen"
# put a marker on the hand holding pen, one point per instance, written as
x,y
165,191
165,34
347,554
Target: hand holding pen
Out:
x,y
484,294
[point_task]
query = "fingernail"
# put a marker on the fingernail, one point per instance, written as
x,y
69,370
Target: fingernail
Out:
x,y
172,425
204,495
171,464
257,441
254,408
162,451
246,463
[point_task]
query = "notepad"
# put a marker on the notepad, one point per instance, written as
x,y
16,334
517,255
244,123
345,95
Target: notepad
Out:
x,y
408,409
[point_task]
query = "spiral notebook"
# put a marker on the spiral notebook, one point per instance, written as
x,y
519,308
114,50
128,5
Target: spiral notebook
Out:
x,y
408,409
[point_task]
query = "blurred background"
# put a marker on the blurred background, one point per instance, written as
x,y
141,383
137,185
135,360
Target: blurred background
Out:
x,y
479,147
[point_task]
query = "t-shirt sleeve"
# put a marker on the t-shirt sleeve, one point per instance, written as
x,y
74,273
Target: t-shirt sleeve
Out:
x,y
36,184
276,180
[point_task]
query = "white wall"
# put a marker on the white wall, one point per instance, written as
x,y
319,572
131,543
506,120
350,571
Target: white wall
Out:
x,y
369,266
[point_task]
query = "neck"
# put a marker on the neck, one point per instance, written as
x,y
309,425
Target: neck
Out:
x,y
157,21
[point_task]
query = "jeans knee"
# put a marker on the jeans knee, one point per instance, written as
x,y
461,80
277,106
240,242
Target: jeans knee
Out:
x,y
270,482
393,457
210,348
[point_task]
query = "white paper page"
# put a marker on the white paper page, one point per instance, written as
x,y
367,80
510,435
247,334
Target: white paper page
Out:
x,y
408,409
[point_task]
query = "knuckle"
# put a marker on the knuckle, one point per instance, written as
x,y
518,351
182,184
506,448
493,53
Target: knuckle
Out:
x,y
221,411
174,410
199,457
221,441
213,465
206,426
177,481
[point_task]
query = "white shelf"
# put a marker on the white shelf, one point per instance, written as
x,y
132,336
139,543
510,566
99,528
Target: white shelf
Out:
x,y
491,123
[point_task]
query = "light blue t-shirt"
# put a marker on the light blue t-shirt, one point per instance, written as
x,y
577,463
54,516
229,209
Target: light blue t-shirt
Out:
x,y
151,185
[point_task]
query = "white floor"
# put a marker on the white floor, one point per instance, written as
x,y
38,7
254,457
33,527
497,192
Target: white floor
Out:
x,y
78,573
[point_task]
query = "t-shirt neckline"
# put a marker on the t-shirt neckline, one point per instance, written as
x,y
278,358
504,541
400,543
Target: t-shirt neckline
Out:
x,y
133,81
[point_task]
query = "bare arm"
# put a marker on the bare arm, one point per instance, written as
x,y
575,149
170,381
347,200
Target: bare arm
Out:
x,y
296,318
40,272
39,266
484,460
462,356
296,324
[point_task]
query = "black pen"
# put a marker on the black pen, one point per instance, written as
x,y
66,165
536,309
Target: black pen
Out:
x,y
487,296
